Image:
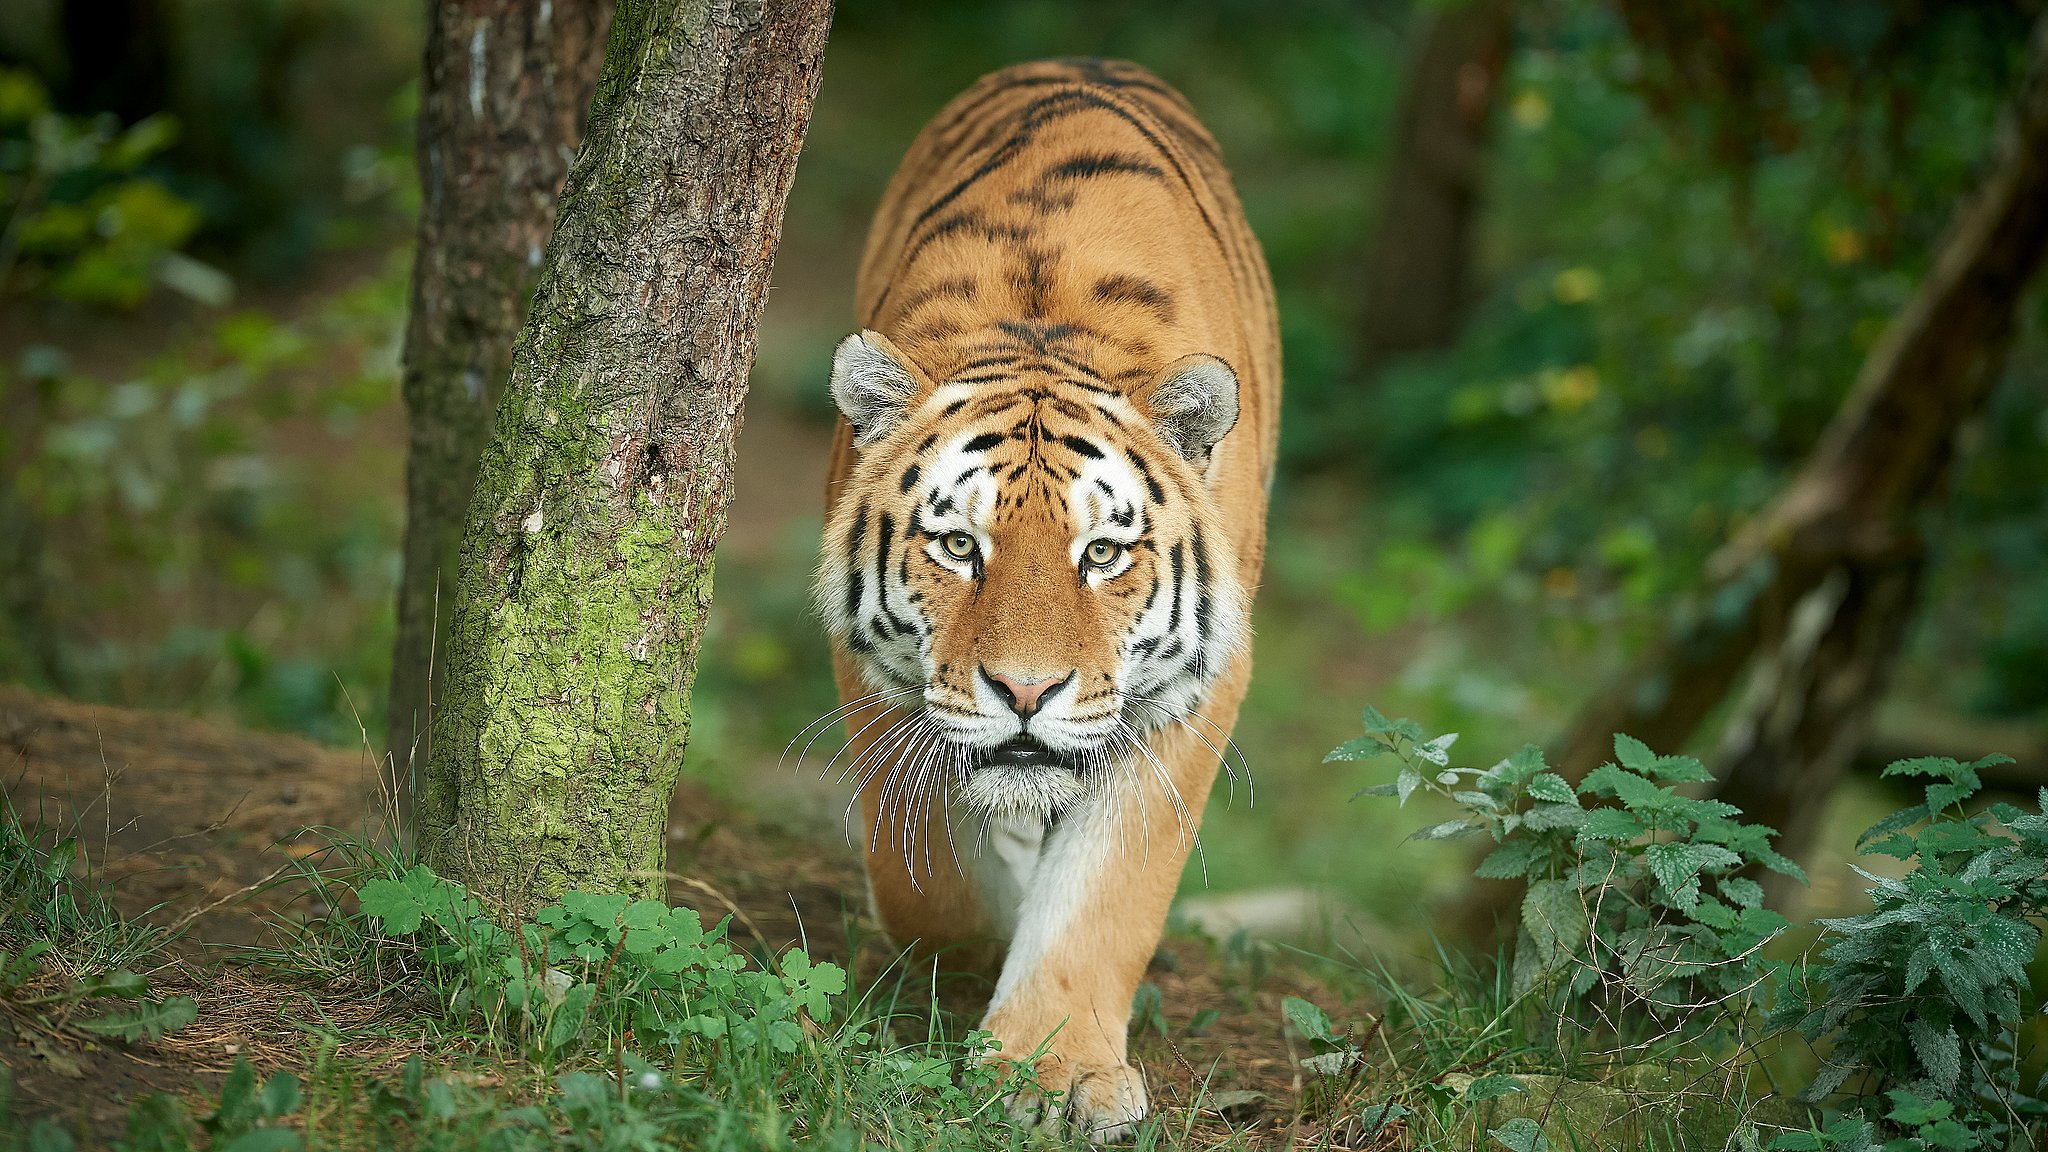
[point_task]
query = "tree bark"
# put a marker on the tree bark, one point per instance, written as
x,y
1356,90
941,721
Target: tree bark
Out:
x,y
1418,280
506,84
586,559
1816,592
1861,496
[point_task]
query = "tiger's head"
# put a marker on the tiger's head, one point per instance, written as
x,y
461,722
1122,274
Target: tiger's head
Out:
x,y
1032,560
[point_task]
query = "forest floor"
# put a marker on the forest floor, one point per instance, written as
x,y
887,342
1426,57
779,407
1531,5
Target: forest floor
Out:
x,y
202,829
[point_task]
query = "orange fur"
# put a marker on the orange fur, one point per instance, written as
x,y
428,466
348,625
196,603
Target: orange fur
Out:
x,y
1072,221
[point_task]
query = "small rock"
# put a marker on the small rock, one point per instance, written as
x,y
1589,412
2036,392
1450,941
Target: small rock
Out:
x,y
1237,1105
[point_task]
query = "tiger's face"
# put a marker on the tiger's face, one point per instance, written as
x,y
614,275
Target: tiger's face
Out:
x,y
1032,562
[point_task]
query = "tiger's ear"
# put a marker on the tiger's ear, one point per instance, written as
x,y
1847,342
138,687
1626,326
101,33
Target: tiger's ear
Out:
x,y
874,384
1194,405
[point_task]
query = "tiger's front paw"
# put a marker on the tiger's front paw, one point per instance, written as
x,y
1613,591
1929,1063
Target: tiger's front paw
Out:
x,y
1102,1101
1105,1103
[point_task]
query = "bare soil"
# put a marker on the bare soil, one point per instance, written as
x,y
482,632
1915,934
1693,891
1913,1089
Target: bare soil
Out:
x,y
194,825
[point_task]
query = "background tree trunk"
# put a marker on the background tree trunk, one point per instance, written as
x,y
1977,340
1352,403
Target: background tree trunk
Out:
x,y
506,86
1418,280
1816,592
586,560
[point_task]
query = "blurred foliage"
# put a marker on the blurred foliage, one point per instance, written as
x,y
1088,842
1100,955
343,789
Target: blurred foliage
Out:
x,y
83,222
197,542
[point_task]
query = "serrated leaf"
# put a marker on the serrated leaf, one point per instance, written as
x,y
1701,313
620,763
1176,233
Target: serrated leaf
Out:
x,y
1940,1052
1545,817
1610,824
1551,787
145,1021
1554,915
1512,860
1448,830
1741,891
1633,754
1357,748
393,904
1375,722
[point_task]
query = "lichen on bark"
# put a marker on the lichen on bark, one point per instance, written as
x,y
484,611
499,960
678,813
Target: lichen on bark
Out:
x,y
587,555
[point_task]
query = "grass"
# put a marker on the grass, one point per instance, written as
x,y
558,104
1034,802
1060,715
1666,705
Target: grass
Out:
x,y
387,1045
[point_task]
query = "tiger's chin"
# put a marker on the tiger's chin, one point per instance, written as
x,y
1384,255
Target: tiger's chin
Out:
x,y
1023,778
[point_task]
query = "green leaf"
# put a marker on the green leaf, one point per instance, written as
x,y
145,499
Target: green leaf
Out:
x,y
1512,860
1940,1053
280,1096
1437,750
392,904
1203,1020
1554,914
1448,830
1357,748
1741,891
1309,1020
1610,824
1407,783
145,1021
1633,754
569,1015
1521,1135
1551,787
1489,1086
124,984
1545,817
237,1109
1375,722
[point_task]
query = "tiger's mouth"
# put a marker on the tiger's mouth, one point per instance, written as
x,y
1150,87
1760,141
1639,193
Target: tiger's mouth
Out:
x,y
1023,777
1025,752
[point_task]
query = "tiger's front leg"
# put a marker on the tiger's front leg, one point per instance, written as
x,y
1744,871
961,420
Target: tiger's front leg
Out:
x,y
1087,926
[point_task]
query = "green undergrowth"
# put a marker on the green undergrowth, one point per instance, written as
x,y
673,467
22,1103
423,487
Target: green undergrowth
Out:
x,y
1640,1001
73,972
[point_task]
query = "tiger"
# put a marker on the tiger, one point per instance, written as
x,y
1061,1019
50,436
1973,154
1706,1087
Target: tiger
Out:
x,y
1046,505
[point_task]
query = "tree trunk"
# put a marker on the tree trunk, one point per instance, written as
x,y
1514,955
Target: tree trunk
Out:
x,y
1816,591
506,84
1418,281
586,559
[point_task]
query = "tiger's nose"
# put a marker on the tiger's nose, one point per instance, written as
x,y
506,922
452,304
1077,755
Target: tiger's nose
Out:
x,y
1023,695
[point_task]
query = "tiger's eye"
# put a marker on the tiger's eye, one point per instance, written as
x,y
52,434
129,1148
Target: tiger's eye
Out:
x,y
1103,553
958,545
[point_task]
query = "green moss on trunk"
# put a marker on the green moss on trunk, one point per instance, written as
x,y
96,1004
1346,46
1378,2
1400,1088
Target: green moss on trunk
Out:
x,y
587,556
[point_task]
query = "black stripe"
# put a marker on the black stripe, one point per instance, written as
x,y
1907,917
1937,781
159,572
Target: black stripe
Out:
x,y
1089,165
983,442
910,476
1126,289
1151,482
1081,447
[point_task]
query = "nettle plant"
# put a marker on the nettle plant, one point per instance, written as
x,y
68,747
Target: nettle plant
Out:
x,y
1923,999
1635,890
585,971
